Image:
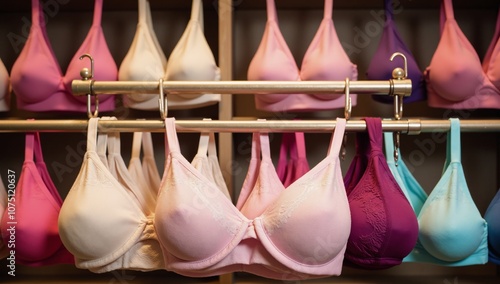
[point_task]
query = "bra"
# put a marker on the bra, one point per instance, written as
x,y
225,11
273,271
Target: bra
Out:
x,y
491,217
413,191
325,59
103,236
384,227
272,232
451,229
292,162
207,163
190,60
144,172
37,204
464,83
381,67
4,250
37,78
4,88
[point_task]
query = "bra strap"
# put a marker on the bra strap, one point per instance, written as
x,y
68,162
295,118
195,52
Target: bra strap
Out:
x,y
271,11
264,146
389,13
36,13
337,137
300,145
37,148
389,146
136,145
92,134
143,14
28,150
454,147
147,145
374,128
197,13
494,42
327,13
446,13
97,13
172,142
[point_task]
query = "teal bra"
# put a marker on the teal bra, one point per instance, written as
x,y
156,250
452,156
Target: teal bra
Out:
x,y
409,185
451,229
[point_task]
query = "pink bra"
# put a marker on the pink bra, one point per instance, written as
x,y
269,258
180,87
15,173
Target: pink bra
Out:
x,y
37,204
462,83
325,59
37,79
271,232
292,162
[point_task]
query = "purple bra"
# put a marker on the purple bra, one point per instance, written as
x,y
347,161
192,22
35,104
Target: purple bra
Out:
x,y
381,66
384,227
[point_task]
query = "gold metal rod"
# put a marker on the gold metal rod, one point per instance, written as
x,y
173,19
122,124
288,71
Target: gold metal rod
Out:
x,y
388,87
411,126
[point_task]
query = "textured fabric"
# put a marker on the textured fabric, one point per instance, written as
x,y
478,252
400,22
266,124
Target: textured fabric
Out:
x,y
37,78
492,218
381,67
464,83
4,88
37,204
207,163
292,162
325,59
384,226
3,206
271,233
190,60
451,229
104,237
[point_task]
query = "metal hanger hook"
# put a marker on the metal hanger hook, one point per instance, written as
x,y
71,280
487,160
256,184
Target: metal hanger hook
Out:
x,y
162,101
85,73
348,104
396,73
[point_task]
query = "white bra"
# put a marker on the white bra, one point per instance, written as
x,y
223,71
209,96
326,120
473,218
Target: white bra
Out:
x,y
190,60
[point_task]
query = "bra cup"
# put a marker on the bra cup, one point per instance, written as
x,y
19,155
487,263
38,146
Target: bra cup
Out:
x,y
324,52
22,70
105,68
191,210
381,66
41,221
299,240
143,62
451,227
192,59
94,188
273,61
491,217
455,80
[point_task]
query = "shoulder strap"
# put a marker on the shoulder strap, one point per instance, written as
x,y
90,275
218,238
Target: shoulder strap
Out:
x,y
143,14
92,134
37,17
389,14
374,129
147,145
327,13
97,13
389,146
300,145
446,12
265,148
197,12
453,148
271,11
29,147
172,142
337,137
136,145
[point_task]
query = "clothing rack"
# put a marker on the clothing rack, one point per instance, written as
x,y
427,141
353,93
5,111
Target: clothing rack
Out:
x,y
409,126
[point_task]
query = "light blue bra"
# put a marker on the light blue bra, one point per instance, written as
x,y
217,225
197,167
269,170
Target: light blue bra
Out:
x,y
451,229
492,217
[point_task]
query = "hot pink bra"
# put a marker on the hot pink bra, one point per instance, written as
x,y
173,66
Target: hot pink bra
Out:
x,y
37,203
272,232
455,77
325,59
37,79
